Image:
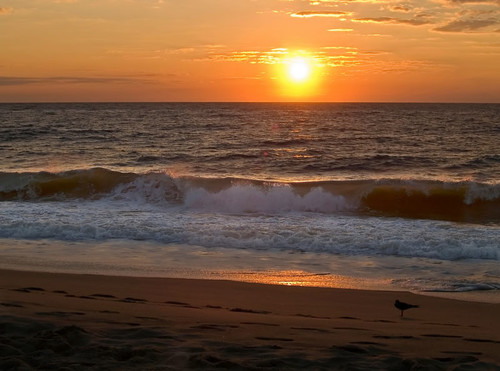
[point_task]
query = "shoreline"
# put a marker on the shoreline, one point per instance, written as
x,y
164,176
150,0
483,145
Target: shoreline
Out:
x,y
285,278
92,321
462,280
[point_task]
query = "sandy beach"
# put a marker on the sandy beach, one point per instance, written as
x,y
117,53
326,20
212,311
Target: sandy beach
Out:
x,y
77,322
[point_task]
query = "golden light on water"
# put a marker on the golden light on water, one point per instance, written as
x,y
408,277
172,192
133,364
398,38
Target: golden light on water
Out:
x,y
296,278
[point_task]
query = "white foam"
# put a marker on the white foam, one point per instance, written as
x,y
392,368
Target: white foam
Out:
x,y
151,188
483,192
295,231
253,199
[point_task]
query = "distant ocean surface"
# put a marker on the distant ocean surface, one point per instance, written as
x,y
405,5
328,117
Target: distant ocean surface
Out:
x,y
384,196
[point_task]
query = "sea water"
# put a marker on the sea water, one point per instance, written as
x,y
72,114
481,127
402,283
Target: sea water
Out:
x,y
379,196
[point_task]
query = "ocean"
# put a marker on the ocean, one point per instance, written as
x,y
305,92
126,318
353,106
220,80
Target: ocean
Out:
x,y
356,195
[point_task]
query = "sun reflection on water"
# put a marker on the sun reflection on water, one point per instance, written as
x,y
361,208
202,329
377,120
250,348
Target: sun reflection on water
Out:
x,y
296,278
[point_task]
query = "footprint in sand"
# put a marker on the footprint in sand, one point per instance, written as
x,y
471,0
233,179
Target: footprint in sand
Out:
x,y
457,360
369,343
396,337
134,300
148,318
181,304
350,318
311,329
457,352
482,340
350,328
11,305
60,314
260,324
103,296
29,289
273,339
442,324
441,336
214,327
311,316
133,324
241,310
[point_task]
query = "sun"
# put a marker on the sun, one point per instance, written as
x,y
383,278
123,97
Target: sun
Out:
x,y
299,69
298,74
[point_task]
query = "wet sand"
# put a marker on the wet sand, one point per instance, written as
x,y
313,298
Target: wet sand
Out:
x,y
79,322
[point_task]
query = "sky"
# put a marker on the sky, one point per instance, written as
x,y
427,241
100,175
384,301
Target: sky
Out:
x,y
245,50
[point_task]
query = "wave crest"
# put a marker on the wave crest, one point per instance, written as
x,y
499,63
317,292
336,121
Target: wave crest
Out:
x,y
88,183
423,199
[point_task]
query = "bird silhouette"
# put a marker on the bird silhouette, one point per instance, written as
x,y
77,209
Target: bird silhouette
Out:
x,y
403,306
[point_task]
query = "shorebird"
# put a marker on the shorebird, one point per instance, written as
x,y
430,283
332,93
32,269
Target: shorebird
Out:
x,y
403,306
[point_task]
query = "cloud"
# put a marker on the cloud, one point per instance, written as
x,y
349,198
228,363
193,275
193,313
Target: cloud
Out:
x,y
467,25
179,51
346,60
327,56
12,81
463,3
400,8
459,2
5,11
6,81
390,20
310,14
343,2
252,56
340,30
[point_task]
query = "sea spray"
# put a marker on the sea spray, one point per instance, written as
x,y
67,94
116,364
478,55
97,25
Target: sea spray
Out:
x,y
272,199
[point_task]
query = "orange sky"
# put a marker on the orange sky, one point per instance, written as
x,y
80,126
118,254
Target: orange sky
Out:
x,y
238,50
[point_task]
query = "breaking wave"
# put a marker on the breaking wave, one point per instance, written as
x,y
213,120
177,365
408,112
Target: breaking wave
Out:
x,y
422,199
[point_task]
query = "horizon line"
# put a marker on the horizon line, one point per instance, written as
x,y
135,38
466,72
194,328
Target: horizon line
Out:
x,y
249,102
